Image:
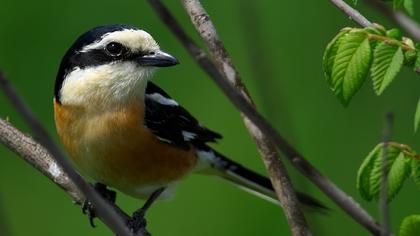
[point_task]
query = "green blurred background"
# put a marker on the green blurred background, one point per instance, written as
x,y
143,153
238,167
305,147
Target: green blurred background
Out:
x,y
277,47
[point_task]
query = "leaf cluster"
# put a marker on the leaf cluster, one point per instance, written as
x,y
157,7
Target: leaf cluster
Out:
x,y
355,52
401,163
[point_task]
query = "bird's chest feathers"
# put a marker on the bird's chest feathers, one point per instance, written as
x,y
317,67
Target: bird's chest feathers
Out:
x,y
115,147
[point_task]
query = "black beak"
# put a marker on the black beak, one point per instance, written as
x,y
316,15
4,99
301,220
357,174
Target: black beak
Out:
x,y
158,59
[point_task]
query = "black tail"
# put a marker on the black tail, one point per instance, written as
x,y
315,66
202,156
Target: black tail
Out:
x,y
255,183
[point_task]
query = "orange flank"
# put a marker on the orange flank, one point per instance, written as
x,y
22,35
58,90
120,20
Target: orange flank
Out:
x,y
115,148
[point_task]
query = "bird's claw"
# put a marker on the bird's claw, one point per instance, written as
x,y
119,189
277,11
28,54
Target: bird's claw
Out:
x,y
137,223
89,209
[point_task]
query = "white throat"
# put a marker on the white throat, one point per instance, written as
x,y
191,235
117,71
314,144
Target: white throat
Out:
x,y
105,85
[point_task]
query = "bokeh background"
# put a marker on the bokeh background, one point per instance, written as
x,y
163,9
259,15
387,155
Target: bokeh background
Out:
x,y
277,47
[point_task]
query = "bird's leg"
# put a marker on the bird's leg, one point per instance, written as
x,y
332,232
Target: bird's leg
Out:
x,y
88,208
137,221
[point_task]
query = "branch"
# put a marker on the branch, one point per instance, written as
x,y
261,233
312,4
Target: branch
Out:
x,y
398,18
401,19
352,13
37,156
277,172
329,188
57,162
383,200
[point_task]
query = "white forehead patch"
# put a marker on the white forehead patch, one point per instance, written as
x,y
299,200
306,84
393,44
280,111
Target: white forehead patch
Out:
x,y
136,40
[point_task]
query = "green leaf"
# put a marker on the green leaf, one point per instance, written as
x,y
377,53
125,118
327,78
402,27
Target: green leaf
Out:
x,y
410,226
409,7
330,53
399,172
369,176
394,33
417,117
351,65
363,174
410,58
397,4
387,62
415,171
376,173
355,2
375,29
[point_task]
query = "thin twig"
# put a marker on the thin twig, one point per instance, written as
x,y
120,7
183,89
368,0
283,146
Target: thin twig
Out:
x,y
401,19
352,13
383,198
37,156
102,208
267,149
329,188
397,17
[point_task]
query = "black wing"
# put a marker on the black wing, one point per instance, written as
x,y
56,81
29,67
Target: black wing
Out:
x,y
171,123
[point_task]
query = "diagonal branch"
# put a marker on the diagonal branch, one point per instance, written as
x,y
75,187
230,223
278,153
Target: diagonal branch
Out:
x,y
269,153
401,19
277,172
397,17
329,188
37,156
352,13
102,208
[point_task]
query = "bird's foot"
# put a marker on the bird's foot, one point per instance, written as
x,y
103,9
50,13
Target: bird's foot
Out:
x,y
138,222
88,208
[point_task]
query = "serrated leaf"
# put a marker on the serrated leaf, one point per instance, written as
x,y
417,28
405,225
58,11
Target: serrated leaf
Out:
x,y
351,65
376,173
410,226
330,53
369,176
417,117
363,174
415,171
409,7
399,172
387,62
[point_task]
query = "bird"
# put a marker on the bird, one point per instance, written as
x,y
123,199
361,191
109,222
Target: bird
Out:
x,y
124,132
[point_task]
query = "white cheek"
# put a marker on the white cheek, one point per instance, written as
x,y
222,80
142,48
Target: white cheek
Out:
x,y
105,84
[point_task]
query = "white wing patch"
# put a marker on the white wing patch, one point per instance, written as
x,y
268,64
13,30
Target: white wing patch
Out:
x,y
161,99
205,159
164,139
188,136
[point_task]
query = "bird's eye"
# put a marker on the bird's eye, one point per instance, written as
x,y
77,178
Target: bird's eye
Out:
x,y
114,49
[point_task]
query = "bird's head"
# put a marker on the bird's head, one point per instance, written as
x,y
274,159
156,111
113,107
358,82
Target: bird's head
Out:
x,y
109,64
